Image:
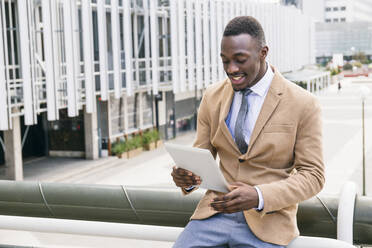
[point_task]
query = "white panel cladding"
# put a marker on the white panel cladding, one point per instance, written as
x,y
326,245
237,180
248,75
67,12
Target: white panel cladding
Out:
x,y
207,45
146,31
128,47
214,38
56,55
76,43
70,59
49,61
174,45
154,47
102,41
190,44
4,125
25,63
116,51
199,45
181,44
268,28
220,27
196,35
90,98
6,64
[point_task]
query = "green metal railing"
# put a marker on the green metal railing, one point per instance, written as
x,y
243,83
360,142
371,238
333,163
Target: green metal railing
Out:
x,y
157,206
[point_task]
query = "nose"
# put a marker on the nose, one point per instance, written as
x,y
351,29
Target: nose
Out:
x,y
232,68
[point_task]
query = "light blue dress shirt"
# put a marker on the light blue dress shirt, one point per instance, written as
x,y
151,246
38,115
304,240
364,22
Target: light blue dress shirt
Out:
x,y
255,102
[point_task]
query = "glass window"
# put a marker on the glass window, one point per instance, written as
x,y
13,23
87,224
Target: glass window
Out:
x,y
327,20
147,109
328,9
117,115
343,8
343,19
335,8
133,111
335,19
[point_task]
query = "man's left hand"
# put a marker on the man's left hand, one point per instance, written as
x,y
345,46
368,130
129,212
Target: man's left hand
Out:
x,y
241,197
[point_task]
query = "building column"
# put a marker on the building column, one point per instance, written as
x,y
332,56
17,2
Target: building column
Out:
x,y
308,85
13,151
312,86
91,135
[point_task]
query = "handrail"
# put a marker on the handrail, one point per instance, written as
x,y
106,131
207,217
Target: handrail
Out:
x,y
156,206
345,214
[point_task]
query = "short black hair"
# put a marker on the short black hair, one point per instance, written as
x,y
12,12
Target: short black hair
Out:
x,y
246,25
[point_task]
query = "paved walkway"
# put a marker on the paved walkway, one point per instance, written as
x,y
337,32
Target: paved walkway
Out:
x,y
342,154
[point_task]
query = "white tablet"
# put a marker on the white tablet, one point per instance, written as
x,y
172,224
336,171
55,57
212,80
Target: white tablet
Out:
x,y
201,163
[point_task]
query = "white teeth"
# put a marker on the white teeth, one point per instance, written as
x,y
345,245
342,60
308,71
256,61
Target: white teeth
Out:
x,y
237,78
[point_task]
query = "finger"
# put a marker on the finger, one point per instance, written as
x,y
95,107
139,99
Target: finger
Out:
x,y
181,171
193,179
218,198
223,205
227,209
232,194
185,182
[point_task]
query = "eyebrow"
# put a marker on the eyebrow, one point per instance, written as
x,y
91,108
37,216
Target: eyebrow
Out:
x,y
236,54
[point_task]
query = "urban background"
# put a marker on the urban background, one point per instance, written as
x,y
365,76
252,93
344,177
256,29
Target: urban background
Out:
x,y
79,76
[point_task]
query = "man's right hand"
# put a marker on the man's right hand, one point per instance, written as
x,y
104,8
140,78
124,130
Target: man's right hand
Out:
x,y
184,178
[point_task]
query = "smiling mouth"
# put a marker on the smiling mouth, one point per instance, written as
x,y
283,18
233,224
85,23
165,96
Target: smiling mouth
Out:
x,y
237,79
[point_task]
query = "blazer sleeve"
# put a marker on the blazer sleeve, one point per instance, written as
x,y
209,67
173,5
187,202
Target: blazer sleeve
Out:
x,y
308,162
203,132
203,128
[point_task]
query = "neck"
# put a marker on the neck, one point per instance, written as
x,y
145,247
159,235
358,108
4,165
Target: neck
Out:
x,y
260,75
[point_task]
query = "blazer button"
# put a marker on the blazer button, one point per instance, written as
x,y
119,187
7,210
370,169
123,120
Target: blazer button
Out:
x,y
241,160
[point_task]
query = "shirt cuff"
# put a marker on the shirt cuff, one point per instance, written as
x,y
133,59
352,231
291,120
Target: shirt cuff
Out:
x,y
188,189
260,199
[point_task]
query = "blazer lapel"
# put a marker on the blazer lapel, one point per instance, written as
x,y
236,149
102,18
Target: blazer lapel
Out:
x,y
225,108
271,102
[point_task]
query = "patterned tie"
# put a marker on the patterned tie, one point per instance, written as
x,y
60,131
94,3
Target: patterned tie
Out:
x,y
239,125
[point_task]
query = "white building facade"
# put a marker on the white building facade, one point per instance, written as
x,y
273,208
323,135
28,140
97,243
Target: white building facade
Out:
x,y
348,11
114,67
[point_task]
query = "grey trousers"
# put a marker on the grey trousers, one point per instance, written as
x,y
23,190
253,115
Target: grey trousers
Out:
x,y
220,230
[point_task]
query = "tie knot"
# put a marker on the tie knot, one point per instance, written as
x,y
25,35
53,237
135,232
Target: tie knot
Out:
x,y
246,91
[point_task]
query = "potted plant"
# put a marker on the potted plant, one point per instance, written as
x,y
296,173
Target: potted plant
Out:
x,y
134,146
148,141
118,149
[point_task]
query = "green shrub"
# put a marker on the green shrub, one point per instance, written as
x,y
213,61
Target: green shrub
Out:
x,y
347,66
119,148
137,141
335,71
155,135
147,138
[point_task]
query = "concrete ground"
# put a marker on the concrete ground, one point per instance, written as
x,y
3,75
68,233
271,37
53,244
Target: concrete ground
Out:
x,y
342,153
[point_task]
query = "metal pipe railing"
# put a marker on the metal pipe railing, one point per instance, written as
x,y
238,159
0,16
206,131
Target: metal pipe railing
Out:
x,y
157,206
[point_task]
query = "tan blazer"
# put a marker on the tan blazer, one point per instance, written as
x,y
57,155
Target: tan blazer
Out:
x,y
284,157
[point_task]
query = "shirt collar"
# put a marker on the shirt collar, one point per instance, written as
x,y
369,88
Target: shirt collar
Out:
x,y
262,86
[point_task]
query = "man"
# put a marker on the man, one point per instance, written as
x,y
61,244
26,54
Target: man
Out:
x,y
267,133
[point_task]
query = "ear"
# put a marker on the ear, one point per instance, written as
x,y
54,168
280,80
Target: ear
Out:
x,y
263,52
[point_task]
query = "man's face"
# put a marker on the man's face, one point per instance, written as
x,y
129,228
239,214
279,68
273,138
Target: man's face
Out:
x,y
243,60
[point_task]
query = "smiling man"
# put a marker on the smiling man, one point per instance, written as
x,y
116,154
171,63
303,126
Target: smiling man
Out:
x,y
267,133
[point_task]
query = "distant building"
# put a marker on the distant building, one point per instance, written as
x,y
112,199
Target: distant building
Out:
x,y
79,75
347,29
344,38
348,11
